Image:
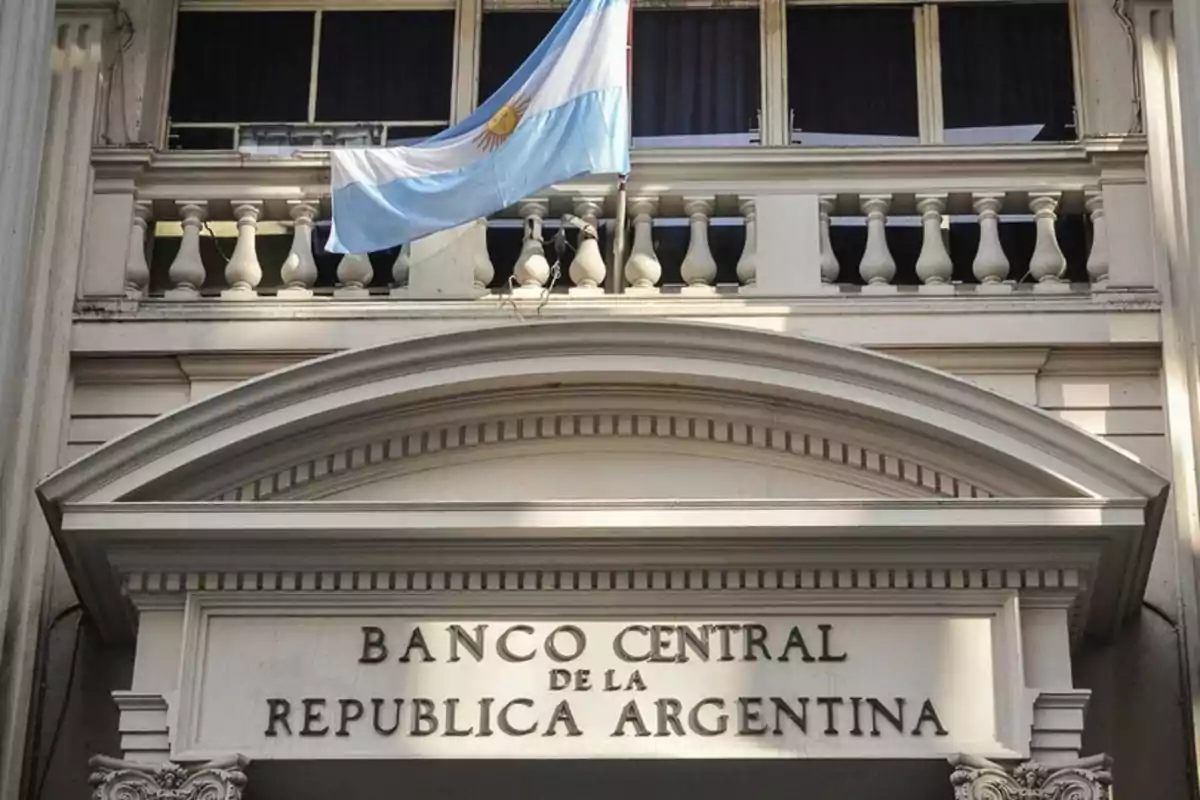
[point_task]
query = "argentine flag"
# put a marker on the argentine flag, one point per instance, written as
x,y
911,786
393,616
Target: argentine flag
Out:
x,y
563,114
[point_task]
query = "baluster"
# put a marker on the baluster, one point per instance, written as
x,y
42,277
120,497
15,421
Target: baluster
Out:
x,y
830,268
747,266
243,272
642,270
1048,265
877,267
587,268
354,274
401,268
990,266
532,270
934,267
187,270
699,268
483,273
137,271
402,272
299,270
1098,259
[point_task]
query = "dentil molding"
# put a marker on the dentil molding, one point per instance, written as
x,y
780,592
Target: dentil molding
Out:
x,y
892,474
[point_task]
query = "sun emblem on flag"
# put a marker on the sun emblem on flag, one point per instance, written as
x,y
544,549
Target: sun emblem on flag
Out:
x,y
502,124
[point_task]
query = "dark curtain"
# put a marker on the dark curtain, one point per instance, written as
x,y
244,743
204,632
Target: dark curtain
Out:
x,y
385,65
695,72
853,70
242,67
506,40
1008,65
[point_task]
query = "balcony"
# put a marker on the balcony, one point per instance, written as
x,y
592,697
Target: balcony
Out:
x,y
712,232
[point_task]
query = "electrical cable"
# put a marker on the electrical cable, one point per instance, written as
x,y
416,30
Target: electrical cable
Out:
x,y
1121,11
126,32
1184,684
216,242
66,701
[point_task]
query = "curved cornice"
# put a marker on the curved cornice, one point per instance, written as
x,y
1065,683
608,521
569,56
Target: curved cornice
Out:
x,y
582,419
330,393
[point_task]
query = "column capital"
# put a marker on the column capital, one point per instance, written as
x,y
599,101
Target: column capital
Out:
x,y
222,779
977,778
534,207
305,208
588,206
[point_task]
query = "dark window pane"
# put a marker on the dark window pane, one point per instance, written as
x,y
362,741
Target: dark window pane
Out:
x,y
242,67
385,65
695,72
1007,65
852,71
506,40
200,139
410,134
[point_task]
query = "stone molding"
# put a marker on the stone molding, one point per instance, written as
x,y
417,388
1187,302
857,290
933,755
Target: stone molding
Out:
x,y
1058,719
749,170
113,779
330,392
1076,551
337,468
976,778
694,580
144,725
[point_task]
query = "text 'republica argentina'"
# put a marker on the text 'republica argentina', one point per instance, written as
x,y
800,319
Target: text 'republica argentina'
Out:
x,y
637,712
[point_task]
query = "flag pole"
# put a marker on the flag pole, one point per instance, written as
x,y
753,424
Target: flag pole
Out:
x,y
618,280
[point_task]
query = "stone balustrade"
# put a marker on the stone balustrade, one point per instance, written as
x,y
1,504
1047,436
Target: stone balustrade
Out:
x,y
254,230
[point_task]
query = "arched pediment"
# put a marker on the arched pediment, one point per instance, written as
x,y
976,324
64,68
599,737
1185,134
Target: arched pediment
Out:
x,y
854,416
665,445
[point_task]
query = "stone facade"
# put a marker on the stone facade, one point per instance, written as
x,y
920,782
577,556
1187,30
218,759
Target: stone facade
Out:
x,y
244,440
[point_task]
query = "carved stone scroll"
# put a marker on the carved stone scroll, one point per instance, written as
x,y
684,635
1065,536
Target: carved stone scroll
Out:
x,y
976,778
113,779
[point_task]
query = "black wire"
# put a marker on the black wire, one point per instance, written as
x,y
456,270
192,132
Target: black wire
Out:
x,y
216,243
42,658
1185,708
66,701
1158,612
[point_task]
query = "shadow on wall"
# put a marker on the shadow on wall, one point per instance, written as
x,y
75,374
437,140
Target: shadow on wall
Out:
x,y
89,723
600,780
1138,712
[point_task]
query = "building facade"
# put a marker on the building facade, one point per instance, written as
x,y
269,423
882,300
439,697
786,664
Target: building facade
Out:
x,y
861,461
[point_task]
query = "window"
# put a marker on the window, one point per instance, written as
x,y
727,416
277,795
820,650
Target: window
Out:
x,y
380,76
870,74
1007,68
223,73
852,75
695,76
857,74
506,40
683,93
385,65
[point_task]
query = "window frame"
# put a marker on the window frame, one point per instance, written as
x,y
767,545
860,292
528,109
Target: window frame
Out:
x,y
926,31
317,8
775,113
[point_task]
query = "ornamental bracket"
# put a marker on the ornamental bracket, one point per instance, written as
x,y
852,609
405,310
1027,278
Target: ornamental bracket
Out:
x,y
976,778
114,779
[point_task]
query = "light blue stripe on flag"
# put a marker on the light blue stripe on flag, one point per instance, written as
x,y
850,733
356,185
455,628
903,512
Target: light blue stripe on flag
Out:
x,y
565,113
